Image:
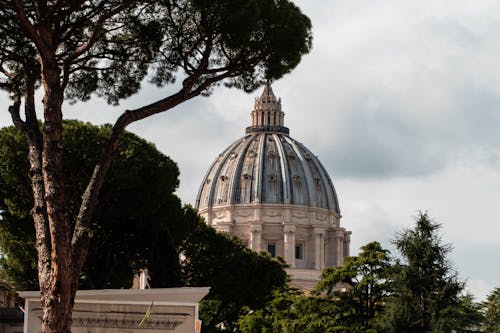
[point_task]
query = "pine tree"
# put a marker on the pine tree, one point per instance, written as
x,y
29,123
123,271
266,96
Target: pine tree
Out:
x,y
426,287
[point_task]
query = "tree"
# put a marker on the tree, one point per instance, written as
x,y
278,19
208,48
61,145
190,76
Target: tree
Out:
x,y
137,206
360,286
240,279
76,48
292,312
141,224
345,299
492,312
465,317
426,289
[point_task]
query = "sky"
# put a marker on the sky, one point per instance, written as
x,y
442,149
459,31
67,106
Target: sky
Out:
x,y
400,100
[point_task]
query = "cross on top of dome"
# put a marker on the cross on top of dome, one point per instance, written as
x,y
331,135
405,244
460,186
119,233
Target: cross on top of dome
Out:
x,y
267,115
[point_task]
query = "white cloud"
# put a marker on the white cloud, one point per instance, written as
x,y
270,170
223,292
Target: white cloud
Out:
x,y
479,288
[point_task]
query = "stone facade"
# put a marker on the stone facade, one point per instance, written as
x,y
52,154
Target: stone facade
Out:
x,y
169,310
276,196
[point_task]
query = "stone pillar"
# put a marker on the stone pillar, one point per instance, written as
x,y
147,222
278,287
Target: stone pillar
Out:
x,y
339,240
209,216
319,248
289,248
347,243
256,237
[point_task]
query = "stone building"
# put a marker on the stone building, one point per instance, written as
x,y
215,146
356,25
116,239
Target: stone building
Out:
x,y
274,194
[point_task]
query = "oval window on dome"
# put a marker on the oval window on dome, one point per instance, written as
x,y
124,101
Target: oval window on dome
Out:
x,y
251,153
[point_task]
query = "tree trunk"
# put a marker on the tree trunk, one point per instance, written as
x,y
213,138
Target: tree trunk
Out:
x,y
55,287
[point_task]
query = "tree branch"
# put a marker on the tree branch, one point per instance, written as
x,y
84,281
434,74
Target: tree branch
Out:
x,y
97,31
94,37
30,30
14,111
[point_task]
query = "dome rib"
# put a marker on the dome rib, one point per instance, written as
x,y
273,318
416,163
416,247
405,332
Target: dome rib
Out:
x,y
212,181
237,174
285,176
260,167
308,177
329,191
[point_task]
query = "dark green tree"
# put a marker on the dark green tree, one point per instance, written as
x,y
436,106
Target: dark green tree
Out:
x,y
346,299
491,308
464,317
137,208
73,49
360,286
240,279
293,312
426,288
141,224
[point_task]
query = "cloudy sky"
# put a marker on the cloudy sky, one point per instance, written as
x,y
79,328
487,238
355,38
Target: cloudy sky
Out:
x,y
401,102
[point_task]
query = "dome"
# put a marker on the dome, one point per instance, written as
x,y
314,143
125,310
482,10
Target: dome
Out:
x,y
267,166
274,194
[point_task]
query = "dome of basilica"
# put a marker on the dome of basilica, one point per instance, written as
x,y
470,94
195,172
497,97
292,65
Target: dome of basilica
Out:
x,y
274,194
267,166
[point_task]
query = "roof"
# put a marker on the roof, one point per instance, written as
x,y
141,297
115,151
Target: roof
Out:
x,y
267,166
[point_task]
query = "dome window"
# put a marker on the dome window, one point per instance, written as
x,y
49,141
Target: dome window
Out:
x,y
246,176
272,154
251,153
297,179
272,177
233,155
223,178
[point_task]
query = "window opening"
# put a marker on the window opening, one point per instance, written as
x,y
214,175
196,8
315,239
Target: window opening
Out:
x,y
271,248
299,251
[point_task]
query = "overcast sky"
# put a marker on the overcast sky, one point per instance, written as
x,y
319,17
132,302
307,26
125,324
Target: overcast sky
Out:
x,y
400,101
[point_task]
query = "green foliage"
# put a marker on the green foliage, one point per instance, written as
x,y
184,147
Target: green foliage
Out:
x,y
344,300
140,223
291,312
371,293
461,318
137,205
242,42
492,312
16,227
426,289
238,277
360,286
